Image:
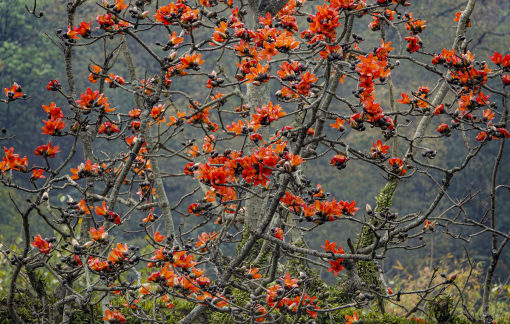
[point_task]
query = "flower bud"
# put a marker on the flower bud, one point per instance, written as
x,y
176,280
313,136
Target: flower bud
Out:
x,y
287,167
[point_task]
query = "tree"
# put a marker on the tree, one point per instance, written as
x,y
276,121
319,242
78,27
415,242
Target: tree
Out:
x,y
253,167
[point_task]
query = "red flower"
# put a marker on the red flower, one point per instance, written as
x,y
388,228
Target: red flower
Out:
x,y
83,29
496,58
379,149
398,165
43,245
256,137
336,266
71,33
278,233
53,85
53,111
439,110
105,21
339,161
444,129
46,150
13,92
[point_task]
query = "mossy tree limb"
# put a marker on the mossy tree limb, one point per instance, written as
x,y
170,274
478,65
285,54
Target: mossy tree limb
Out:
x,y
366,269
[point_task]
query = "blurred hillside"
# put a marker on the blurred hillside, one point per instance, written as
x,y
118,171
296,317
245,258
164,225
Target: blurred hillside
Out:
x,y
28,57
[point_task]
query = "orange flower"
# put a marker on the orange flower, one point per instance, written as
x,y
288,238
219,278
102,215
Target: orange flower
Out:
x,y
348,208
331,53
253,273
303,87
267,20
258,75
289,282
379,148
13,92
269,51
82,205
428,224
398,165
191,61
53,111
71,33
352,319
158,237
101,210
105,21
332,247
150,217
83,170
134,113
267,114
87,98
119,6
98,235
487,115
174,40
285,43
457,18
339,124
204,239
96,264
53,85
37,173
339,161
53,126
108,128
43,245
115,316
175,121
83,29
117,78
444,129
278,233
383,51
157,113
221,33
119,254
216,301
145,290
